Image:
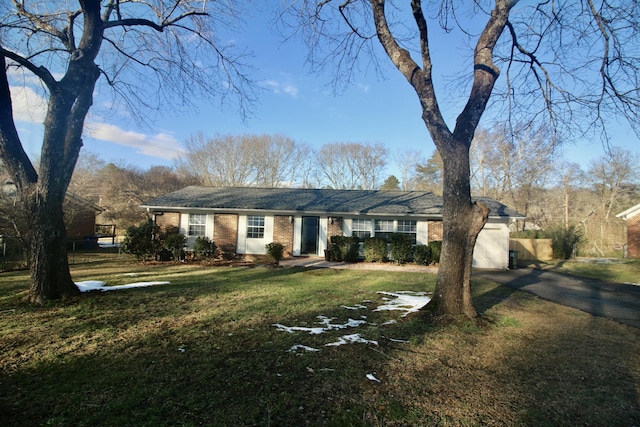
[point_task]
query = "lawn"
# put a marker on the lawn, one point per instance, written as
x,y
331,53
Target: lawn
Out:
x,y
608,269
233,346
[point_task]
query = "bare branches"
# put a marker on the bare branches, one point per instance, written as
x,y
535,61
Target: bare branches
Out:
x,y
582,58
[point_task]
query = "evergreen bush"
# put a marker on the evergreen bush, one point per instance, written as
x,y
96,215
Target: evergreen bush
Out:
x,y
275,252
436,249
344,248
422,255
204,248
375,249
400,247
564,241
139,240
171,241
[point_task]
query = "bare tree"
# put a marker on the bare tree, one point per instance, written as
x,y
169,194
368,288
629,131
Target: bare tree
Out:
x,y
351,165
149,53
244,160
553,53
512,164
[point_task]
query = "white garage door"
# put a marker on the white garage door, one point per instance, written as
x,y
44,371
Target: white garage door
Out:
x,y
492,247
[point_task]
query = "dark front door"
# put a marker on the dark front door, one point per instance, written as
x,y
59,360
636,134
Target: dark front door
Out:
x,y
310,231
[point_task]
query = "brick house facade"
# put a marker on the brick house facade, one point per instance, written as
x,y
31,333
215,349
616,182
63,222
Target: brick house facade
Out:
x,y
242,221
632,218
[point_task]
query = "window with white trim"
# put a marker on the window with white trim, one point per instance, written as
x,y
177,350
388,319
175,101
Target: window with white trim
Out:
x,y
408,227
361,228
197,225
384,228
255,227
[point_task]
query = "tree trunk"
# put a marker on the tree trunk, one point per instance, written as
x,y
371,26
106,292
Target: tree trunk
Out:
x,y
50,276
462,222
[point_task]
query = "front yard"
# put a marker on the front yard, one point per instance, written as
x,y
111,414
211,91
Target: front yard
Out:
x,y
293,346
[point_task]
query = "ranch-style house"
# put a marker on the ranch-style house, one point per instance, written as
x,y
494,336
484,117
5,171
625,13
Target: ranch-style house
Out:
x,y
243,220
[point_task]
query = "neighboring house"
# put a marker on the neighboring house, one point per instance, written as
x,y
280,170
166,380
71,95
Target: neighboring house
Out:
x,y
80,219
632,217
243,220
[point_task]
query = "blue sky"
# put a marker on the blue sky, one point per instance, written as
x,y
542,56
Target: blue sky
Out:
x,y
293,102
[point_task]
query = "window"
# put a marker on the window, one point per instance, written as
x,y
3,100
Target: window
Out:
x,y
255,227
361,228
409,227
384,228
197,225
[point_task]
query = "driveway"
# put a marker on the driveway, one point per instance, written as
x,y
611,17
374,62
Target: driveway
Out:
x,y
617,301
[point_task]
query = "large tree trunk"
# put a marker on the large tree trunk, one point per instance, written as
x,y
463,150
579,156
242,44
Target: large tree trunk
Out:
x,y
50,276
462,222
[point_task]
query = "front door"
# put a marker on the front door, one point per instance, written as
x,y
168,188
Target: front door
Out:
x,y
310,232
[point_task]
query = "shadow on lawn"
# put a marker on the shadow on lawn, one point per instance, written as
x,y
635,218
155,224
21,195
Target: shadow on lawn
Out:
x,y
182,364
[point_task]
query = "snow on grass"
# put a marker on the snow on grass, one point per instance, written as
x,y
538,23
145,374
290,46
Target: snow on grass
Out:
x,y
97,285
326,321
351,339
407,301
299,347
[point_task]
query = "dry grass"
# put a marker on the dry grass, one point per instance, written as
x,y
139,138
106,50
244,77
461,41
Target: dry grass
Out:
x,y
203,351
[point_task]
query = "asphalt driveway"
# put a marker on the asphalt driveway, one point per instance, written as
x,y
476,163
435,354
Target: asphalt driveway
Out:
x,y
617,301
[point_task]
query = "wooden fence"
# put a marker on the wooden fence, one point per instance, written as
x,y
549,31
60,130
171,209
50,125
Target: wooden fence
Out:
x,y
532,249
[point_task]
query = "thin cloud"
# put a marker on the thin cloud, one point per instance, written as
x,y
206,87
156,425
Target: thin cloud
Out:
x,y
160,145
282,88
28,105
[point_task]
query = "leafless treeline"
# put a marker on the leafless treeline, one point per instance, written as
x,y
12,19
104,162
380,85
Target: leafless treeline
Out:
x,y
521,170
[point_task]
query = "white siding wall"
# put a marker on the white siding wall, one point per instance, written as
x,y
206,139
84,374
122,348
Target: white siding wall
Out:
x,y
254,246
184,228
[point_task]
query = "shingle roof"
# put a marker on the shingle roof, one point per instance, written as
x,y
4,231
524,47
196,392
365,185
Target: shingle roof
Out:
x,y
305,200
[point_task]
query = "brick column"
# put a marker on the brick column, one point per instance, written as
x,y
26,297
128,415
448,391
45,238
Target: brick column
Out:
x,y
283,233
225,233
434,231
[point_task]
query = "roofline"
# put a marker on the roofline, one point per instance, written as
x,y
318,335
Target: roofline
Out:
x,y
626,214
294,212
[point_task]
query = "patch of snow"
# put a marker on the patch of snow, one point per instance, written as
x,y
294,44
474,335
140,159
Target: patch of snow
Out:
x,y
96,285
355,307
297,347
326,321
372,378
351,339
90,285
407,301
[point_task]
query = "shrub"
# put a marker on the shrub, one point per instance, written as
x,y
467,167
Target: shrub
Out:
x,y
275,252
139,240
400,247
204,248
171,241
375,249
436,248
344,248
422,255
564,241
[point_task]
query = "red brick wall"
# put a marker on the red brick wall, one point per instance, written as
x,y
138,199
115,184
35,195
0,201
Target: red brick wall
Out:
x,y
82,224
283,233
633,237
434,230
225,232
334,229
168,219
